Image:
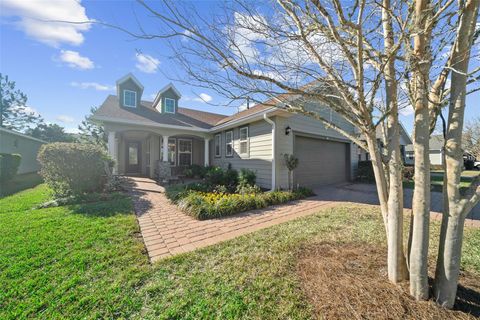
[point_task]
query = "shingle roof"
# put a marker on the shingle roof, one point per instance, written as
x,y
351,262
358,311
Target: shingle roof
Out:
x,y
147,115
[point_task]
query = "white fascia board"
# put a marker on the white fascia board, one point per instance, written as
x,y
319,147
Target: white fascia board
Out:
x,y
169,86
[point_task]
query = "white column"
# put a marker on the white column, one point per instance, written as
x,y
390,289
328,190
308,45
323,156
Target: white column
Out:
x,y
112,149
206,151
165,149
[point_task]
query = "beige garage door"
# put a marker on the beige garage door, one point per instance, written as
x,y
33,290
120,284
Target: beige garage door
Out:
x,y
321,162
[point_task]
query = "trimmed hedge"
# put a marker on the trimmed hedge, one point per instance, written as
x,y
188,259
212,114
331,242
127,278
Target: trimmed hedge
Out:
x,y
9,164
208,205
73,168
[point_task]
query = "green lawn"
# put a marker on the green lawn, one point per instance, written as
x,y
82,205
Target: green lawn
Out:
x,y
87,261
436,178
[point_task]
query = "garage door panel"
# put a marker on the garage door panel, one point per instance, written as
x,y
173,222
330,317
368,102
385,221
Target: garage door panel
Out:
x,y
321,162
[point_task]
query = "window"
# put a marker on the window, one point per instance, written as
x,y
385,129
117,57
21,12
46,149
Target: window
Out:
x,y
129,98
217,146
172,153
244,140
229,143
169,105
184,152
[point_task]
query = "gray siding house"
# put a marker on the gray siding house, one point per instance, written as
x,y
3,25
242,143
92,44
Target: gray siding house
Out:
x,y
16,142
142,134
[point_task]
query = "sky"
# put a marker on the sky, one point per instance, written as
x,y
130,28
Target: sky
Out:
x,y
67,69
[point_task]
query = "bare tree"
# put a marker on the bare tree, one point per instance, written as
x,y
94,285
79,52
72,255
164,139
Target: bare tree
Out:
x,y
456,208
471,138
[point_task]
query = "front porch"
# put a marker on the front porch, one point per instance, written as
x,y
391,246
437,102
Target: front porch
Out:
x,y
138,152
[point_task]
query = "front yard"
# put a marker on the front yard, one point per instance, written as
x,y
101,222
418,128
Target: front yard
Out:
x,y
88,261
468,176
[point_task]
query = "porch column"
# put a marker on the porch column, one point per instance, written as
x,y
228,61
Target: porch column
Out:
x,y
206,152
165,149
112,150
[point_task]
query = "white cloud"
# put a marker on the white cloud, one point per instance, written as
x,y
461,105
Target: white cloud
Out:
x,y
186,35
92,85
203,97
64,118
146,63
37,18
75,60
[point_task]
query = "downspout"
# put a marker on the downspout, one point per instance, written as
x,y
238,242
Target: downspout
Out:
x,y
273,149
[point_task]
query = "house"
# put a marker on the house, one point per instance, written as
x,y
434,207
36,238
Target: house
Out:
x,y
436,151
379,133
144,135
26,146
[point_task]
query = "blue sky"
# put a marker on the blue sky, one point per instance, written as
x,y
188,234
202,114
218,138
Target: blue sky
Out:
x,y
66,71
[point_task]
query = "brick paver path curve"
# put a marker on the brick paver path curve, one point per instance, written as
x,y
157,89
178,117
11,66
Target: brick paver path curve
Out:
x,y
167,231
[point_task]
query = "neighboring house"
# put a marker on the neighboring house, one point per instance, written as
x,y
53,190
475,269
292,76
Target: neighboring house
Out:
x,y
16,142
436,152
404,142
144,134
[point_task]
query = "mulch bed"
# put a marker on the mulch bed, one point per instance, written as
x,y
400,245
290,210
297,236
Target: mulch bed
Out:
x,y
349,281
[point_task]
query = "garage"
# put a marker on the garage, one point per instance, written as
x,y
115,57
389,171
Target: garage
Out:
x,y
321,161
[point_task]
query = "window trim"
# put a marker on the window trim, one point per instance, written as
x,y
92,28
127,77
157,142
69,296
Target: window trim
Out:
x,y
240,141
124,96
227,143
174,104
191,150
219,155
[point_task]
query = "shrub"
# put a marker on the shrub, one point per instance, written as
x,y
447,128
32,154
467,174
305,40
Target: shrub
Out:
x,y
246,178
243,189
9,164
176,192
214,175
365,171
207,205
73,168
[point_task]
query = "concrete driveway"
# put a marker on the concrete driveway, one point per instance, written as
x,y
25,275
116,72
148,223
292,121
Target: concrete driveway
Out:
x,y
367,193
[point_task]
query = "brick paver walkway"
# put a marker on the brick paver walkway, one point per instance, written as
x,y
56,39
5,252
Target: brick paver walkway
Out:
x,y
167,231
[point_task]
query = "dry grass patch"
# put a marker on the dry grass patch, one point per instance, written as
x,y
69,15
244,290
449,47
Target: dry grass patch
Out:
x,y
349,281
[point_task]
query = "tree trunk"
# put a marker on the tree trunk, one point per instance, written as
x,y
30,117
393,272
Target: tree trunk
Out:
x,y
421,62
397,266
421,206
451,238
380,178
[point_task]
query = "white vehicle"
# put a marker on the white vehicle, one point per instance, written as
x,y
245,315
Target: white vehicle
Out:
x,y
476,164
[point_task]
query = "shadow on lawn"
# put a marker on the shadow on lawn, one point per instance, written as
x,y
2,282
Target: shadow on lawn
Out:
x,y
468,299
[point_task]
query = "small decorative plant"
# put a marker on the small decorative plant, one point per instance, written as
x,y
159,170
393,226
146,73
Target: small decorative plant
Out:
x,y
291,162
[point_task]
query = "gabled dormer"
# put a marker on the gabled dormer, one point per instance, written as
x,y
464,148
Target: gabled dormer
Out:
x,y
166,100
129,91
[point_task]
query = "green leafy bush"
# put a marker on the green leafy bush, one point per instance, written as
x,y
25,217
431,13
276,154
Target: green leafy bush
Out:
x,y
177,192
73,168
243,189
9,164
246,178
208,205
196,171
365,171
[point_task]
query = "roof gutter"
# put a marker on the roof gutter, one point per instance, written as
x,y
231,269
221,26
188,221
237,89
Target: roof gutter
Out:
x,y
267,119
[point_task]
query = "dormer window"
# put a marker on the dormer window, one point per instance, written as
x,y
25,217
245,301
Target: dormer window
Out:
x,y
169,105
129,98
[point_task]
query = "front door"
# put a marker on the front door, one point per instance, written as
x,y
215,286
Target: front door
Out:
x,y
133,157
